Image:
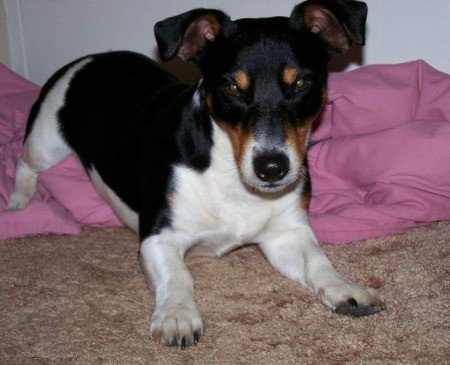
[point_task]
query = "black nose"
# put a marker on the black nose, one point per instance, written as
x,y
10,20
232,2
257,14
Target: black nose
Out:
x,y
272,167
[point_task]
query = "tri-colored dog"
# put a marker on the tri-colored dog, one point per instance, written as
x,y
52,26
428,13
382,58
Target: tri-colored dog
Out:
x,y
203,169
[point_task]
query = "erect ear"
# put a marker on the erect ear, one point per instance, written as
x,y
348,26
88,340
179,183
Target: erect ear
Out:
x,y
338,22
188,34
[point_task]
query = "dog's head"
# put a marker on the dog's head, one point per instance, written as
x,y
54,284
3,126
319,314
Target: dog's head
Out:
x,y
264,80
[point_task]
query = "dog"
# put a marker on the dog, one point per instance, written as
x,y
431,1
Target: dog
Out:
x,y
202,169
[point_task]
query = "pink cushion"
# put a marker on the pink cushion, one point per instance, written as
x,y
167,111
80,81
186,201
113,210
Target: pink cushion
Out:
x,y
70,186
379,160
65,198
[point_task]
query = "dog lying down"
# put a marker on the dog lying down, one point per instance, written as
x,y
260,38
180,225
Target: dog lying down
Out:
x,y
203,169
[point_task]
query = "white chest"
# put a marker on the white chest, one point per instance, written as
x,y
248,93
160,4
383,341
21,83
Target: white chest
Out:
x,y
215,209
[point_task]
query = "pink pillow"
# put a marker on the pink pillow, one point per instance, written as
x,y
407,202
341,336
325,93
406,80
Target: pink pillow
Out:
x,y
44,215
380,159
69,184
65,197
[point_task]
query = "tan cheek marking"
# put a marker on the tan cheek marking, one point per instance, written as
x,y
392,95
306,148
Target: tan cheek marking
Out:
x,y
306,196
296,138
242,80
290,74
305,201
239,138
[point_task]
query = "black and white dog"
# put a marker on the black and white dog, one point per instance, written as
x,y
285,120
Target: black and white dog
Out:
x,y
203,169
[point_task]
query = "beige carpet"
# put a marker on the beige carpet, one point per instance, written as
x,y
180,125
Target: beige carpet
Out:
x,y
83,300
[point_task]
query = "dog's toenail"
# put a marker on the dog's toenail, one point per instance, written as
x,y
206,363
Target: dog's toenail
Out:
x,y
196,338
183,343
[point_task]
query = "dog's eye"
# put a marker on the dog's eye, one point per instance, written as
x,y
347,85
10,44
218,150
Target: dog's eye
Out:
x,y
232,90
301,84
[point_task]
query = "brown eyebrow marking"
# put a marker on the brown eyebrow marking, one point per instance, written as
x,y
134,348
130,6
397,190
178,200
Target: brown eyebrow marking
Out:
x,y
290,74
242,80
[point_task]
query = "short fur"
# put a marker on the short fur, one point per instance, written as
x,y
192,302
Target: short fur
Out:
x,y
203,169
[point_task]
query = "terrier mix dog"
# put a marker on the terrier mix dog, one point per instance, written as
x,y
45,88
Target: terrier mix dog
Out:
x,y
203,169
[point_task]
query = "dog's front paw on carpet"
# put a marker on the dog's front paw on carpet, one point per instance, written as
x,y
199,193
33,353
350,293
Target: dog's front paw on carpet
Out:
x,y
352,300
178,326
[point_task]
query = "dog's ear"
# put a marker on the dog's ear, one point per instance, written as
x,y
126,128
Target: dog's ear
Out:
x,y
188,34
338,22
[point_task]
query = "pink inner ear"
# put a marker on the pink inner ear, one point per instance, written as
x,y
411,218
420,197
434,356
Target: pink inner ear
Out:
x,y
208,28
320,20
317,19
209,35
316,29
202,30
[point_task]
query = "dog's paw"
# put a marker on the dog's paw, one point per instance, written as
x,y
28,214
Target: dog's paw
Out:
x,y
18,201
178,325
350,299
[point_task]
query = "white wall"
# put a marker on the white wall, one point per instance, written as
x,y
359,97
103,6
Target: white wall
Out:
x,y
5,57
46,34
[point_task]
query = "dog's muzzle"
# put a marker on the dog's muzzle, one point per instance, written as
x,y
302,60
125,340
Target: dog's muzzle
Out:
x,y
270,172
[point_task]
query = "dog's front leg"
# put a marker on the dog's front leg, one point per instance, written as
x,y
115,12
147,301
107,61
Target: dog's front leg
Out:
x,y
296,254
176,320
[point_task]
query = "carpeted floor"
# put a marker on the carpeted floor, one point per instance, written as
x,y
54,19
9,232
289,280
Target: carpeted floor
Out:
x,y
83,300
